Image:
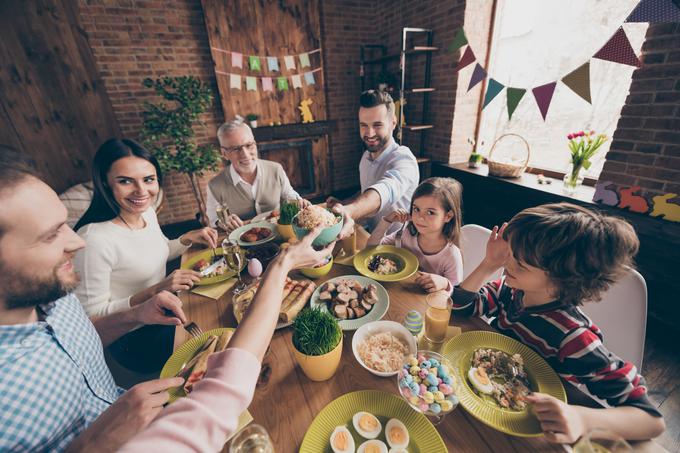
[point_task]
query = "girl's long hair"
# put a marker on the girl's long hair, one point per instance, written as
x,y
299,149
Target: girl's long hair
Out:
x,y
104,206
449,192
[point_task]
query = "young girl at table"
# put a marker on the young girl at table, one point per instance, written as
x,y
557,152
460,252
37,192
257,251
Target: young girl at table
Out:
x,y
556,257
432,233
124,261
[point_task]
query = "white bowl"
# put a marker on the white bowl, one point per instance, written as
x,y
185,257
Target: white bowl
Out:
x,y
376,327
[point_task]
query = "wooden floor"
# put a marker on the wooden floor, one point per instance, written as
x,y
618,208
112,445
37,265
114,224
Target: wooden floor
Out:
x,y
661,369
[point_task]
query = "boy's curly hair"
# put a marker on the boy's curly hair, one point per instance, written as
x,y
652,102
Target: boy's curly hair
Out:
x,y
582,251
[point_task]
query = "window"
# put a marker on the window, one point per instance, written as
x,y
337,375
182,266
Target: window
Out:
x,y
535,42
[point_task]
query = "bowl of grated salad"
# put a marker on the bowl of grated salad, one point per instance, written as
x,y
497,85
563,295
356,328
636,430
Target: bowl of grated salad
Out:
x,y
313,216
381,347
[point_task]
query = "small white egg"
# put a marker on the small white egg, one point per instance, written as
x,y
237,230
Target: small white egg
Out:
x,y
342,440
254,268
367,425
372,446
396,433
480,380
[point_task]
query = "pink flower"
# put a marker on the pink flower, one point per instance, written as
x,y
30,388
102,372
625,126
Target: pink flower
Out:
x,y
570,136
581,134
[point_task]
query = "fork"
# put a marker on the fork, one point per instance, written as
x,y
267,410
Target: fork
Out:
x,y
193,329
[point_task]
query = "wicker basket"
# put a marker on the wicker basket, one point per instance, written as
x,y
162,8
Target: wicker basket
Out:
x,y
504,169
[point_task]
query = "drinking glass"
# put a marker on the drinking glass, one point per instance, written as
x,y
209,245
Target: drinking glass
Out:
x,y
437,316
252,439
223,213
233,256
601,441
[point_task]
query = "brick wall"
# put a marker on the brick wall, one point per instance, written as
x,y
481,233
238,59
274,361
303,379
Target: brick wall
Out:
x,y
132,40
444,18
645,150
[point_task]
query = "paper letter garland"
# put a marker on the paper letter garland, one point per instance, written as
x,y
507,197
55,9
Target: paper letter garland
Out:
x,y
282,83
309,78
304,60
273,63
236,60
251,84
297,81
267,84
235,81
254,63
289,61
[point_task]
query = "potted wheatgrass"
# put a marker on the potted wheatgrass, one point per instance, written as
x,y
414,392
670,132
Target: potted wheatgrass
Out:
x,y
288,210
317,342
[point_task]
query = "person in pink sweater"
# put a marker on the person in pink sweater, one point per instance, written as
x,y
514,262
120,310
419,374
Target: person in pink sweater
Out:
x,y
431,232
205,418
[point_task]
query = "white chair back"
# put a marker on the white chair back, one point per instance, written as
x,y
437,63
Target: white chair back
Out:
x,y
473,240
622,316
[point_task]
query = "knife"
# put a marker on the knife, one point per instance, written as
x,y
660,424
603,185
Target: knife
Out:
x,y
213,266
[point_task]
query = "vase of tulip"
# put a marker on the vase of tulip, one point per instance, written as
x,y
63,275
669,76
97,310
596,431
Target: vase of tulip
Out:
x,y
582,145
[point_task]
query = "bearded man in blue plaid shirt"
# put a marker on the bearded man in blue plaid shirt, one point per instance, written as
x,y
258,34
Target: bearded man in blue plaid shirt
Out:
x,y
55,388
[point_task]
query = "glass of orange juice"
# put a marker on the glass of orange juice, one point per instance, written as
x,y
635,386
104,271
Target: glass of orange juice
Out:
x,y
437,316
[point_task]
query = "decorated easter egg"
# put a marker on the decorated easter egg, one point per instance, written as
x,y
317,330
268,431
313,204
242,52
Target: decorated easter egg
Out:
x,y
414,322
254,268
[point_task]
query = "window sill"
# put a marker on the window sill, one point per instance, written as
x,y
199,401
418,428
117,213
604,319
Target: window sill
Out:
x,y
584,194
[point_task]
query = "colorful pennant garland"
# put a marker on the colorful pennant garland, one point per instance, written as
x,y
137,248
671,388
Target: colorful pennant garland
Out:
x,y
255,61
282,83
617,49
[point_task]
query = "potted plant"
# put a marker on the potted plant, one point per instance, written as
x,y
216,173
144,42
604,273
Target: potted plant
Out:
x,y
317,343
288,210
582,146
252,120
475,158
168,130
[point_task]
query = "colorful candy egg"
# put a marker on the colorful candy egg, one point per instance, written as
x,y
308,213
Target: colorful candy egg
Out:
x,y
414,322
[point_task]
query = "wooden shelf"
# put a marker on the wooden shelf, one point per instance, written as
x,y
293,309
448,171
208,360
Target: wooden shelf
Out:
x,y
395,56
418,127
420,90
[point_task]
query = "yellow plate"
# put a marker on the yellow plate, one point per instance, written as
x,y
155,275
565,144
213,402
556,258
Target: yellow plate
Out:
x,y
459,351
182,356
406,261
207,255
424,437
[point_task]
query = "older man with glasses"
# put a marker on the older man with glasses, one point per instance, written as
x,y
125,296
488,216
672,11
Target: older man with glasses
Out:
x,y
248,185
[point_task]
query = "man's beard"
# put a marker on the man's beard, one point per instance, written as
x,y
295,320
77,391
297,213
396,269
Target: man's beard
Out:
x,y
27,291
379,146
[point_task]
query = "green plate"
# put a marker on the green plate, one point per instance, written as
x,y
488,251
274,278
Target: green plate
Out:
x,y
406,261
207,255
459,351
235,236
377,312
182,355
424,437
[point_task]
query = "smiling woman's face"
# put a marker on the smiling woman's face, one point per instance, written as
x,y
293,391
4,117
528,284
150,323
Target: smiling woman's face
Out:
x,y
134,184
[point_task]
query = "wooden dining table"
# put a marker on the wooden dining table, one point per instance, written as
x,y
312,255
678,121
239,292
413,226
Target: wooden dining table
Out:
x,y
286,401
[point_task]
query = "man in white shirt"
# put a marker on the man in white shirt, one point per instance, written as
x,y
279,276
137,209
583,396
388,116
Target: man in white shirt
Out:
x,y
388,172
248,185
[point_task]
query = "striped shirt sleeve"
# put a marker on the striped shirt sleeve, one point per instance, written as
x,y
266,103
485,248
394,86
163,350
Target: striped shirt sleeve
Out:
x,y
586,360
482,303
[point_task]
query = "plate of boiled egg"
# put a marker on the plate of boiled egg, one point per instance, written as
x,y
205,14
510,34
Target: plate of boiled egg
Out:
x,y
371,421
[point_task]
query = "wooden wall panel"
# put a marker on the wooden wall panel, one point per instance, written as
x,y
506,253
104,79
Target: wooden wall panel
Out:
x,y
266,28
53,106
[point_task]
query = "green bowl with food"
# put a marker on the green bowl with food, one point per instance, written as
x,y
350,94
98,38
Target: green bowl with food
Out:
x,y
313,216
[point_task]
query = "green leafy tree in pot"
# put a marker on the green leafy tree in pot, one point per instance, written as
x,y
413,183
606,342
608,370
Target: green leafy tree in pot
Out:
x,y
168,130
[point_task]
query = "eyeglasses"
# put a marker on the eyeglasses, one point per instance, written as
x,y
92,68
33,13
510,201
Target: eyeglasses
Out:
x,y
250,146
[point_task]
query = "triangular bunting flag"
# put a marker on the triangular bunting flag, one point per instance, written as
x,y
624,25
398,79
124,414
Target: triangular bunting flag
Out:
x,y
477,76
467,58
251,83
655,11
289,61
237,60
304,60
618,50
297,81
235,81
273,63
579,81
458,41
282,83
543,95
492,91
254,63
514,96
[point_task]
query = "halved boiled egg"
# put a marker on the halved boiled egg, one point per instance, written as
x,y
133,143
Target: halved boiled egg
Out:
x,y
396,434
480,380
372,446
367,425
342,440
